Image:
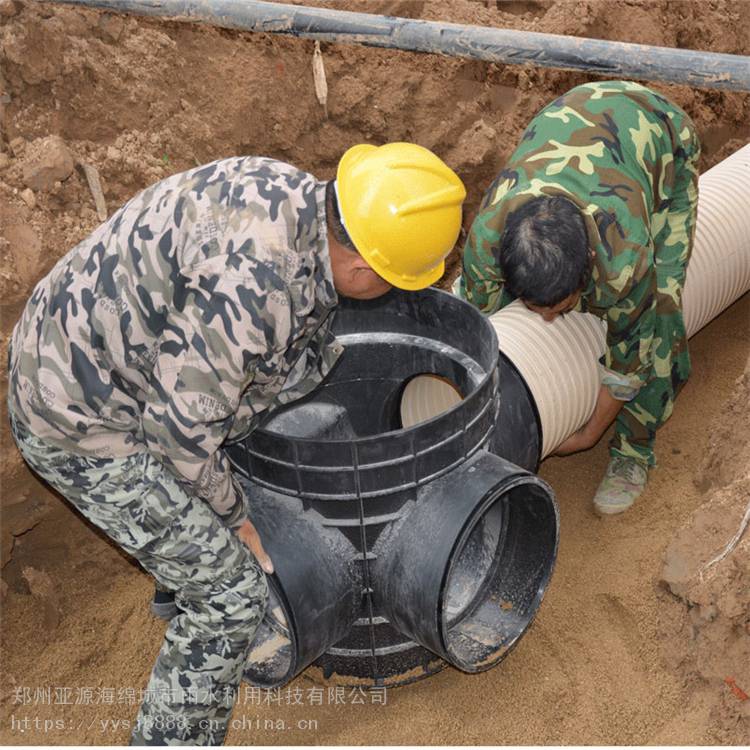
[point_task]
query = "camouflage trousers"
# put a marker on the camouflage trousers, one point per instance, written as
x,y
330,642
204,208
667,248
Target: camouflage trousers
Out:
x,y
673,233
220,590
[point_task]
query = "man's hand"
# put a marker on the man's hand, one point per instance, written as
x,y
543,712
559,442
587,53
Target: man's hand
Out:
x,y
606,409
578,441
247,533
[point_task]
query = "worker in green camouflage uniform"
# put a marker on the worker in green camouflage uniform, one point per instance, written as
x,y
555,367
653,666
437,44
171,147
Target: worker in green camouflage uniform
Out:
x,y
202,304
595,211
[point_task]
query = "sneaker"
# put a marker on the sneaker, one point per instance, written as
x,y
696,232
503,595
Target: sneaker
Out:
x,y
624,481
163,605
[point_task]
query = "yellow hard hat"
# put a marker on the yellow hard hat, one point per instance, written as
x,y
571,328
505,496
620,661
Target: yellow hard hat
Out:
x,y
401,206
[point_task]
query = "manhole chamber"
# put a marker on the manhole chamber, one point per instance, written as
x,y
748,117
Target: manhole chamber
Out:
x,y
397,549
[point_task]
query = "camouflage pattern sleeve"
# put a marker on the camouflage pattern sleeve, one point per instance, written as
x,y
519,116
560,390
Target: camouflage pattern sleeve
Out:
x,y
481,280
630,324
218,340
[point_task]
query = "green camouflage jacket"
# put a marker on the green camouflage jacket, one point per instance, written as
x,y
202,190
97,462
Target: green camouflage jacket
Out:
x,y
201,303
626,156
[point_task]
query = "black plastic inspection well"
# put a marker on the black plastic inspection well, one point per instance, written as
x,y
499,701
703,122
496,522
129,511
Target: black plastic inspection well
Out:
x,y
398,550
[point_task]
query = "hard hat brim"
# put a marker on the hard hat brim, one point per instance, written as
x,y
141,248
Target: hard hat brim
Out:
x,y
421,282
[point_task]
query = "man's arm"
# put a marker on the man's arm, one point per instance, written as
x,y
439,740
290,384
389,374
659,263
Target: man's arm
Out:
x,y
228,328
481,282
629,353
605,411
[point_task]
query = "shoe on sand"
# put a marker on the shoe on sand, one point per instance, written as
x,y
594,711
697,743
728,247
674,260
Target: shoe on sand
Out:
x,y
624,481
163,605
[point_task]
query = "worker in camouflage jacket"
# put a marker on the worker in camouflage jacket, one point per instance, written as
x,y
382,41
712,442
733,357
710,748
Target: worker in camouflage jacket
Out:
x,y
595,211
198,307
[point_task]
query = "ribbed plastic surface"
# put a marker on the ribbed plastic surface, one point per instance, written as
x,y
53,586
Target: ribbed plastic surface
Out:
x,y
719,271
420,396
558,360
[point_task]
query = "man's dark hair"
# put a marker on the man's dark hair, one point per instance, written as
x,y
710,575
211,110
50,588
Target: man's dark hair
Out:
x,y
544,251
333,217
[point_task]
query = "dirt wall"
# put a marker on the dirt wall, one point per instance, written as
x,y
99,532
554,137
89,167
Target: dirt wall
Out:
x,y
706,577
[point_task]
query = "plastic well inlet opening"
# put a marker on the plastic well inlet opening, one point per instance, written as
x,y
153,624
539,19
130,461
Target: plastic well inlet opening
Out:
x,y
427,396
497,575
345,411
272,659
414,369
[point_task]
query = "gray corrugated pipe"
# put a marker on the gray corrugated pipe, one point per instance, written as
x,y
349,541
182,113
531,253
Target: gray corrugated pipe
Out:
x,y
558,361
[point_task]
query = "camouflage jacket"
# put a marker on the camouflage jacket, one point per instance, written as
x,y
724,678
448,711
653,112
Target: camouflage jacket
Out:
x,y
626,156
199,305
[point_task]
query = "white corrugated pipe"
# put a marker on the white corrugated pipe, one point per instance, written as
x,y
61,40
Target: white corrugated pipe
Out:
x,y
558,361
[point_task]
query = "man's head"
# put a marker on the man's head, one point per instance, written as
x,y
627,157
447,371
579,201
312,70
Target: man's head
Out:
x,y
394,214
545,255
